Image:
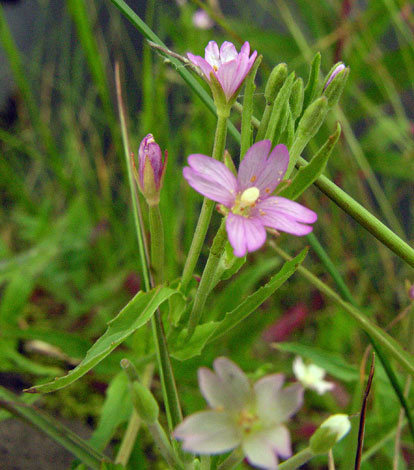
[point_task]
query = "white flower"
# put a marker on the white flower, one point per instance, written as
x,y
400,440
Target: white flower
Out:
x,y
242,415
311,376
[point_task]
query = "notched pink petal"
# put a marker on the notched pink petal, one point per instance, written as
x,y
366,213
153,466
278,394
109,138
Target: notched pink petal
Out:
x,y
280,439
227,52
234,381
295,210
212,54
245,234
211,178
227,76
198,61
252,164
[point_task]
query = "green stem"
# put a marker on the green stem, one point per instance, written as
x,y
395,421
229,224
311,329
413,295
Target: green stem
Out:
x,y
161,440
297,460
128,439
232,460
157,243
170,395
208,277
206,210
364,218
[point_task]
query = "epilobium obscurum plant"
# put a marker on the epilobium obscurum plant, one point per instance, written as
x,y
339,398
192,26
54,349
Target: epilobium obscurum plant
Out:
x,y
248,419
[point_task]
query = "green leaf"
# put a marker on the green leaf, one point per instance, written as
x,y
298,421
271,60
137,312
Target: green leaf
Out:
x,y
334,364
254,301
210,331
311,172
134,315
52,428
199,339
14,298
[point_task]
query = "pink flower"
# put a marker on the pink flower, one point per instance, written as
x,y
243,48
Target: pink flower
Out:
x,y
242,415
247,198
201,20
229,67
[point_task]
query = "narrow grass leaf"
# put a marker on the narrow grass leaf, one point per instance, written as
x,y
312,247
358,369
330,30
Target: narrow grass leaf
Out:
x,y
52,428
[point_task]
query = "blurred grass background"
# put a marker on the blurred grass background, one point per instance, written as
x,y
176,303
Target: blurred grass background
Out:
x,y
68,253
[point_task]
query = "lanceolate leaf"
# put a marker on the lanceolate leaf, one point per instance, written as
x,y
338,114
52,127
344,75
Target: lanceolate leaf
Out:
x,y
210,331
134,315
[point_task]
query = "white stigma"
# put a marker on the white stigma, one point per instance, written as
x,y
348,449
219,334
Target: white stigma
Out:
x,y
250,196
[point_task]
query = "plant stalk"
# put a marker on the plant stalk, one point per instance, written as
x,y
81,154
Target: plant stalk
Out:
x,y
207,208
208,277
157,243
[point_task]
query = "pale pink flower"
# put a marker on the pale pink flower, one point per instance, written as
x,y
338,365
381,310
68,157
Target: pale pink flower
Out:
x,y
242,415
247,197
202,20
227,65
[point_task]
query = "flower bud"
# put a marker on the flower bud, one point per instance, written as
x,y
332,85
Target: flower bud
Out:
x,y
275,82
296,98
313,118
144,403
151,169
335,83
329,433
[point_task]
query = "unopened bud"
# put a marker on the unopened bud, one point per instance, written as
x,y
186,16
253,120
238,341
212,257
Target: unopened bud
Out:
x,y
313,118
151,169
329,433
296,98
275,82
335,83
144,403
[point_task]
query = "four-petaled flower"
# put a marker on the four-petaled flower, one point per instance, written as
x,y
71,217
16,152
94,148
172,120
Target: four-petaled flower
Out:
x,y
251,207
311,376
242,415
229,67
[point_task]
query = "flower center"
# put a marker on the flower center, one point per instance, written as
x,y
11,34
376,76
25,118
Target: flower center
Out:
x,y
247,421
245,201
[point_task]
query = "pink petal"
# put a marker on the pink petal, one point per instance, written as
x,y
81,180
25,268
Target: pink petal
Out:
x,y
252,164
246,49
198,61
227,52
212,54
288,218
263,172
211,178
259,451
208,432
293,209
245,234
227,76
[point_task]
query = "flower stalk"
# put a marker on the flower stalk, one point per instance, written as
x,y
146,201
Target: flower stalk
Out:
x,y
208,277
297,460
207,208
157,243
